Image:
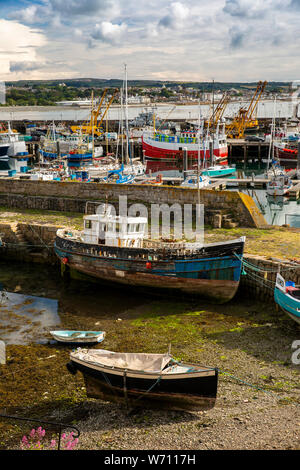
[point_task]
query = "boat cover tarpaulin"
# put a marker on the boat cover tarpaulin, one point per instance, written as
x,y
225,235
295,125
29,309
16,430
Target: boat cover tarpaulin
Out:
x,y
133,361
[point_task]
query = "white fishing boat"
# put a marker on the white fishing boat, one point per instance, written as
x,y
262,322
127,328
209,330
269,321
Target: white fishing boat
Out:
x,y
116,248
13,149
278,185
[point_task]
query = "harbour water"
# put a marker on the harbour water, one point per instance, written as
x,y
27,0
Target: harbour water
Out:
x,y
265,109
276,210
35,300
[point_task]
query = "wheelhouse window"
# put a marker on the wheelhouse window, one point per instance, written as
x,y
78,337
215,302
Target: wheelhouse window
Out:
x,y
88,224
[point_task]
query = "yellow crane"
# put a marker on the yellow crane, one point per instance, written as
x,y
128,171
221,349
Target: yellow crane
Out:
x,y
245,118
219,111
94,127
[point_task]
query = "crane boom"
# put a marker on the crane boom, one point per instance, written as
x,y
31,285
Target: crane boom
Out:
x,y
95,113
93,126
245,117
219,111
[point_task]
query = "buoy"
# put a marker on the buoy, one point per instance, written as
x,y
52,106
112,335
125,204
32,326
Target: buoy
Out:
x,y
148,265
65,260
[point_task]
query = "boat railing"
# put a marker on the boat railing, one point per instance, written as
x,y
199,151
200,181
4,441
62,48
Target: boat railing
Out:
x,y
170,245
151,250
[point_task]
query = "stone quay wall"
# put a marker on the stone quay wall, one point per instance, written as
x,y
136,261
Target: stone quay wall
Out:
x,y
222,208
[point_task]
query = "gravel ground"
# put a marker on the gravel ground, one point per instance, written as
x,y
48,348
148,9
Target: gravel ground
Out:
x,y
243,418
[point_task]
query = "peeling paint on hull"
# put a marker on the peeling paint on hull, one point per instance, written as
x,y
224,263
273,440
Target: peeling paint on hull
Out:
x,y
211,277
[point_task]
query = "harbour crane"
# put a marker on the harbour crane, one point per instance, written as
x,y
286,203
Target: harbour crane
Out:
x,y
94,127
245,117
217,114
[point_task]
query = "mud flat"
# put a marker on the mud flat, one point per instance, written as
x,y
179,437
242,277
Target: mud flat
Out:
x,y
250,342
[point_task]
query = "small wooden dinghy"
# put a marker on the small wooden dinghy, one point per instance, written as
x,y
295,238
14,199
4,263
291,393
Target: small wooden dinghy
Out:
x,y
287,296
148,380
71,336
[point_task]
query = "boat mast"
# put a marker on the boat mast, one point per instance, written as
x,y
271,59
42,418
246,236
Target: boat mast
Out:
x,y
271,146
126,117
93,128
198,165
122,125
213,123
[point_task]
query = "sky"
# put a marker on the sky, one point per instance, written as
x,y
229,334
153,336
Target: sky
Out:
x,y
185,40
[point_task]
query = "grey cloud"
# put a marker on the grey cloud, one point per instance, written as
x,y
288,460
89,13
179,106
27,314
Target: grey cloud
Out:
x,y
24,66
79,7
237,37
238,9
166,22
295,4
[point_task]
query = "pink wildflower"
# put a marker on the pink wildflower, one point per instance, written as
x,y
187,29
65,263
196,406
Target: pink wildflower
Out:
x,y
32,433
41,432
53,443
38,445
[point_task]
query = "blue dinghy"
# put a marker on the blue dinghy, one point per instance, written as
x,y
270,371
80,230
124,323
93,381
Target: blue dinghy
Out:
x,y
71,336
287,296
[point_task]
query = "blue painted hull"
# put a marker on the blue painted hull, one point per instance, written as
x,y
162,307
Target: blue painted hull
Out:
x,y
289,305
213,273
219,173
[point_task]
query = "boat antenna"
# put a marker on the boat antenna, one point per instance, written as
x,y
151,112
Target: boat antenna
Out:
x,y
169,350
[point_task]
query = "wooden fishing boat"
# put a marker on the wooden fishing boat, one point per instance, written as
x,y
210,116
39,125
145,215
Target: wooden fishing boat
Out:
x,y
148,380
114,249
287,296
71,336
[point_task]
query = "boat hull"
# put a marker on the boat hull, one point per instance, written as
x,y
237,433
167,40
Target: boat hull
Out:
x,y
287,157
173,151
213,275
197,391
288,304
3,150
219,173
79,340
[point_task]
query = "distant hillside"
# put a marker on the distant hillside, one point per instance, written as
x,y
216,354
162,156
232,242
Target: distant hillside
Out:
x,y
117,83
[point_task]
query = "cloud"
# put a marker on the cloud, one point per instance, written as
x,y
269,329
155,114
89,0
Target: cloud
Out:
x,y
29,14
176,17
109,32
237,37
22,41
52,11
254,9
79,7
225,39
24,66
295,4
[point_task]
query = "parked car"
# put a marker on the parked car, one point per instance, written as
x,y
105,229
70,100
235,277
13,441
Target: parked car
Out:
x,y
254,138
